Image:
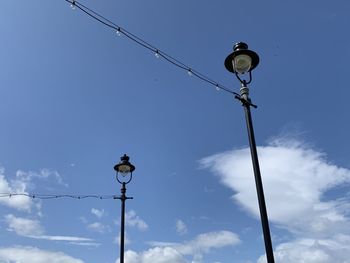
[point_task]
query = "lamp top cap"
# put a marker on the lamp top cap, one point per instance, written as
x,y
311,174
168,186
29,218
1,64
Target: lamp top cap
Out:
x,y
125,158
240,46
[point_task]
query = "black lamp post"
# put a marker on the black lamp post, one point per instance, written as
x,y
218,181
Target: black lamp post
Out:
x,y
125,169
241,61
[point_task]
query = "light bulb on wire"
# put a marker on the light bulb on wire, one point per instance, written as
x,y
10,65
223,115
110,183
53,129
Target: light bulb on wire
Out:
x,y
73,5
189,72
118,32
157,54
217,87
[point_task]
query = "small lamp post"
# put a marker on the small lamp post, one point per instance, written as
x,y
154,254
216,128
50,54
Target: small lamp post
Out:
x,y
124,171
241,61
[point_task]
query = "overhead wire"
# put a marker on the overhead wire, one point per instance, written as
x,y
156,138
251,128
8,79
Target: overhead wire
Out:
x,y
57,196
159,53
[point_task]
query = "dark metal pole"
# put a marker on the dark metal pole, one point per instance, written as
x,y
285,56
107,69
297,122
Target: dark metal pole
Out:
x,y
124,168
122,221
258,182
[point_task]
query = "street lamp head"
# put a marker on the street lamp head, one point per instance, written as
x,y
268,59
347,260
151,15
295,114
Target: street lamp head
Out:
x,y
241,60
124,167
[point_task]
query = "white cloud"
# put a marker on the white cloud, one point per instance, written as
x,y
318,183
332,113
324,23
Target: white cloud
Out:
x,y
20,185
293,175
177,252
22,203
155,255
23,226
131,257
181,227
32,229
131,219
203,243
98,227
90,244
335,249
97,212
34,255
44,173
62,238
296,179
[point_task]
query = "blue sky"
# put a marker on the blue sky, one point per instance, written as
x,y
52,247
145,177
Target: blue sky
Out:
x,y
74,97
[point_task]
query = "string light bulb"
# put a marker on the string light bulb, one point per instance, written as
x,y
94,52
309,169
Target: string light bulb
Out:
x,y
217,87
73,5
189,72
157,54
118,32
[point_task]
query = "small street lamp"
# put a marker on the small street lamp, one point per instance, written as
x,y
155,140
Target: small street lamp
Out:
x,y
124,171
241,61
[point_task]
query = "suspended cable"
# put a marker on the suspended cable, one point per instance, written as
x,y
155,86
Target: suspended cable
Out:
x,y
57,196
158,53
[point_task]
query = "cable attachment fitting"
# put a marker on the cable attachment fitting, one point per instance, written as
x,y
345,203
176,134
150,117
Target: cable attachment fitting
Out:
x,y
244,92
244,97
245,102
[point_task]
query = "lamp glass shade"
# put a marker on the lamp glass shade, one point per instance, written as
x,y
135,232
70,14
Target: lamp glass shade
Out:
x,y
242,63
124,169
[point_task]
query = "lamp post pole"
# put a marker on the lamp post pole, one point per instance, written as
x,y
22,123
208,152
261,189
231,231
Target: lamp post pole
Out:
x,y
125,169
258,181
239,62
122,198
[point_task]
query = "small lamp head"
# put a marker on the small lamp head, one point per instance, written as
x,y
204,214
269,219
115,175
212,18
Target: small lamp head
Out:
x,y
241,60
124,167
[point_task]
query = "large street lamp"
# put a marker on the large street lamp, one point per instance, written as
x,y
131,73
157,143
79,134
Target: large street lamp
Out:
x,y
124,171
241,61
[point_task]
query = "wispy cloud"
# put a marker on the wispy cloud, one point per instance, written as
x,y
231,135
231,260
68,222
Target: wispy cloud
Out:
x,y
162,252
98,227
43,174
203,243
86,244
132,219
32,229
296,179
181,227
97,212
23,226
61,238
126,239
34,255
